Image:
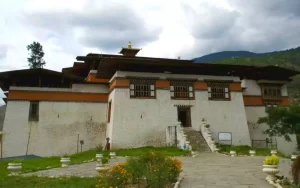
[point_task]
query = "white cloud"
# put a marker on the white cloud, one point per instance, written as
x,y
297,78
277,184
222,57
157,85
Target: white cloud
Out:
x,y
168,28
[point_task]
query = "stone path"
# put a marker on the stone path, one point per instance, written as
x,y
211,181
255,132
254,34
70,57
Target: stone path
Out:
x,y
218,171
80,170
207,170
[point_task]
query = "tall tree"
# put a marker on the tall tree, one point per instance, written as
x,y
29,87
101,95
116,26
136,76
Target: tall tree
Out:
x,y
36,55
282,121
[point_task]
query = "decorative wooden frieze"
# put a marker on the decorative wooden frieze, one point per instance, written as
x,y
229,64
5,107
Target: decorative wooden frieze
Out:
x,y
183,106
181,81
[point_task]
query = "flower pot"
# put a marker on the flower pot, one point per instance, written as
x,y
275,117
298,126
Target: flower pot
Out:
x,y
274,151
101,168
112,155
271,171
232,153
65,161
252,153
14,168
99,157
293,157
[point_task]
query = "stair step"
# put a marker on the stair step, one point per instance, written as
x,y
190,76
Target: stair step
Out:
x,y
196,138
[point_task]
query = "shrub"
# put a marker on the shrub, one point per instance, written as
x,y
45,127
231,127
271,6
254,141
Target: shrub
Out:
x,y
120,175
65,155
99,148
136,168
272,160
158,171
104,160
174,167
296,170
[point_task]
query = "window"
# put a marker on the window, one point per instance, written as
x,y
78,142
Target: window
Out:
x,y
109,112
34,111
142,88
181,89
271,92
218,90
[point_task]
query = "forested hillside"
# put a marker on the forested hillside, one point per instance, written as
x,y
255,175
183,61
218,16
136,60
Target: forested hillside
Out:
x,y
288,59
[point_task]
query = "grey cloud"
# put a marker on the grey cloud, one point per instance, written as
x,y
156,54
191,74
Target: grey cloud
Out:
x,y
107,28
270,7
258,26
3,51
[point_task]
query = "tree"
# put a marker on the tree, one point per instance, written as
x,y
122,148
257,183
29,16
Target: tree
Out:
x,y
36,55
282,121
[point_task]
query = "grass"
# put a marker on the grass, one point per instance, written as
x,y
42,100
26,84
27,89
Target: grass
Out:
x,y
244,150
45,182
31,165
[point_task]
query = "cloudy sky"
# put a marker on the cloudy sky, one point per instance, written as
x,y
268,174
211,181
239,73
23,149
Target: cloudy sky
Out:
x,y
163,28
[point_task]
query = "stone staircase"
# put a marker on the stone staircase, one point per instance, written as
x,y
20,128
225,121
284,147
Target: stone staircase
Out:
x,y
196,138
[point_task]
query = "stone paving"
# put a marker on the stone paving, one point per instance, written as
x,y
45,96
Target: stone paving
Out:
x,y
207,170
212,170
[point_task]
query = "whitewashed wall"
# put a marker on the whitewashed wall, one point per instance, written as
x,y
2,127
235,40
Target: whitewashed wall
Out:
x,y
253,114
252,88
142,122
56,131
112,117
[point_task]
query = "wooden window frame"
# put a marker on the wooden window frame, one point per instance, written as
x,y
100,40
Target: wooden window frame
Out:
x,y
218,88
109,112
276,96
32,116
271,92
188,94
138,87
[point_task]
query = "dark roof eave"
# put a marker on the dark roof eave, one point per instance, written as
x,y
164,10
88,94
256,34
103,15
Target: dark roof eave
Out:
x,y
110,65
38,70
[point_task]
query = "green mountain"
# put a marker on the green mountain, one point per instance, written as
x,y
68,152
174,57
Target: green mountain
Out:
x,y
289,59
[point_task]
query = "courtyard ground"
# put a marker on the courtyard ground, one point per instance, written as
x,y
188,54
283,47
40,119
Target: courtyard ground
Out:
x,y
207,170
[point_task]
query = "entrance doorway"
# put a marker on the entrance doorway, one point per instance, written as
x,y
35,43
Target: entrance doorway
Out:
x,y
184,116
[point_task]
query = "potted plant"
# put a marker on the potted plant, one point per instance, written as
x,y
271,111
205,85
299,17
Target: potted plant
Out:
x,y
273,149
104,164
105,161
194,149
270,167
252,152
294,156
232,152
65,160
15,167
99,157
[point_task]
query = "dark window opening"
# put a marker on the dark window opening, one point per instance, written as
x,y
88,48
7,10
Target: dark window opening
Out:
x,y
34,111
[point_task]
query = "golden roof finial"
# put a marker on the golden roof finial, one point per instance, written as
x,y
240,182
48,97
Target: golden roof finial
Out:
x,y
129,45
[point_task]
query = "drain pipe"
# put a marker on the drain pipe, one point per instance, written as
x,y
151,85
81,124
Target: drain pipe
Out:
x,y
28,138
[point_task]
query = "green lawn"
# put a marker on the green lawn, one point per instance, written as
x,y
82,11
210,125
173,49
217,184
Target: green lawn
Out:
x,y
44,182
244,150
31,165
